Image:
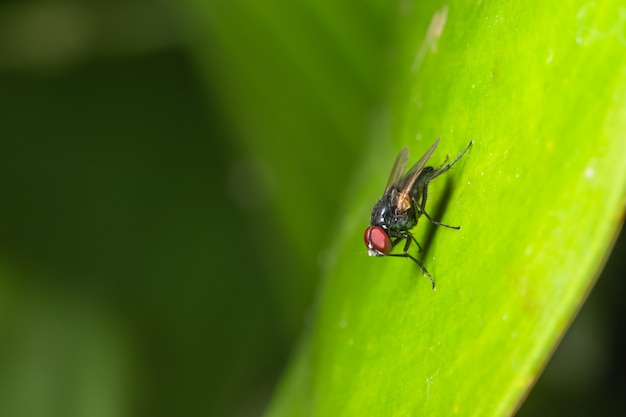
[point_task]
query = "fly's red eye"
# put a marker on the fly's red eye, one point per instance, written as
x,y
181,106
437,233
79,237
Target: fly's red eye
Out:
x,y
376,238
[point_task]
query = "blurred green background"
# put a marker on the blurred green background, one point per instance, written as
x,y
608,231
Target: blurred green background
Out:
x,y
148,259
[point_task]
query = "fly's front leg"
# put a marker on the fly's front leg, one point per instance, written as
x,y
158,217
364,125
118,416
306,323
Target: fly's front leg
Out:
x,y
409,237
420,264
396,241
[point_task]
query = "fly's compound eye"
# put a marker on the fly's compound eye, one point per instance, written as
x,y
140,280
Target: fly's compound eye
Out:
x,y
377,241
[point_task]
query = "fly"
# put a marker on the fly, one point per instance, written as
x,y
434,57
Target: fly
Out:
x,y
403,202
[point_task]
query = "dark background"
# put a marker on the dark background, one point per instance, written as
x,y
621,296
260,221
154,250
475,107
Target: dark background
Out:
x,y
141,262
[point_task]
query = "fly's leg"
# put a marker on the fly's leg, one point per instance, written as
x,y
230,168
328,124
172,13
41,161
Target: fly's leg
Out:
x,y
421,265
443,168
421,206
419,247
405,254
408,238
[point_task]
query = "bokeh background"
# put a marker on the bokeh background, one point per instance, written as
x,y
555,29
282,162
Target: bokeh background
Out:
x,y
158,254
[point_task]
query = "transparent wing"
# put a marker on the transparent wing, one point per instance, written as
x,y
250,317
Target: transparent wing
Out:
x,y
398,167
405,183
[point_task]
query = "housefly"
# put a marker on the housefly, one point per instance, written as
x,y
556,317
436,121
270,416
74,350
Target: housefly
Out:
x,y
402,204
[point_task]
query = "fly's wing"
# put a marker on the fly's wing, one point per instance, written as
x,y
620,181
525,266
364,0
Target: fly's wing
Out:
x,y
398,168
405,184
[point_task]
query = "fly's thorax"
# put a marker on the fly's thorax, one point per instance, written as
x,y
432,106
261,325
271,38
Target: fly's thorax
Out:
x,y
403,221
382,213
391,216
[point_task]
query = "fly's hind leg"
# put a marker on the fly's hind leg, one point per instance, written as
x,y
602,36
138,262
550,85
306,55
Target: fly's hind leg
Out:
x,y
443,168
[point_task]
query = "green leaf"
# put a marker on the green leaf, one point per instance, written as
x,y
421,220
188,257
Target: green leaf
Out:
x,y
540,198
541,91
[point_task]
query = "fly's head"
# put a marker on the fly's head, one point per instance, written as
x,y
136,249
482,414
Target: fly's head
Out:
x,y
389,219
